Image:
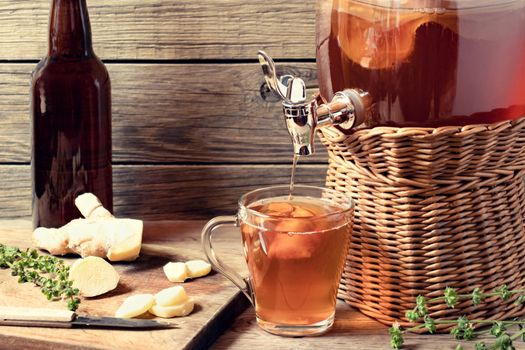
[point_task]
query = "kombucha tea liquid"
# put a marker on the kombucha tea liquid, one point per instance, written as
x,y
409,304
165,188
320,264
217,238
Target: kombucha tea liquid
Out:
x,y
425,66
296,260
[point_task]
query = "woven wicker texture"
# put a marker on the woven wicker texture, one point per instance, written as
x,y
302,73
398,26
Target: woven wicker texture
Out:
x,y
434,208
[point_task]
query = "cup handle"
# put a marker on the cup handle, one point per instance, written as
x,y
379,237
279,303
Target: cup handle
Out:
x,y
207,234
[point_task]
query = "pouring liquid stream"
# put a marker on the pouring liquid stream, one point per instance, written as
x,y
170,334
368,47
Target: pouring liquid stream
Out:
x,y
292,180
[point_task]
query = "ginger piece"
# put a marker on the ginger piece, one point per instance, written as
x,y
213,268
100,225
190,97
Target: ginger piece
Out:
x,y
176,271
90,207
198,268
126,240
93,276
180,272
56,240
135,305
99,234
179,310
85,237
167,303
293,239
171,296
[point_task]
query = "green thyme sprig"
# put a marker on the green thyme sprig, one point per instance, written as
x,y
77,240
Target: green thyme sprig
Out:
x,y
47,272
464,329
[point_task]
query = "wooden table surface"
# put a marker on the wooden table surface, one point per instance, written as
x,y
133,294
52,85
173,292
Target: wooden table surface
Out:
x,y
219,303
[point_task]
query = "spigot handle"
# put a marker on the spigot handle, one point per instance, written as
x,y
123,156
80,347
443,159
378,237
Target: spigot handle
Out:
x,y
347,109
270,75
296,92
289,89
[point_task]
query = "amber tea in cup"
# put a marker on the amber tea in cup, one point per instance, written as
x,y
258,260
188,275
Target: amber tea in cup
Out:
x,y
295,248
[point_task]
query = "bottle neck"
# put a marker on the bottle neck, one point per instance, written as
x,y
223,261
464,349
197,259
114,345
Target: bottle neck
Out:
x,y
70,30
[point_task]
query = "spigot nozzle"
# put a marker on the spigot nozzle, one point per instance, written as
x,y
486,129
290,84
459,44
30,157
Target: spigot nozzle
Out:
x,y
346,109
301,127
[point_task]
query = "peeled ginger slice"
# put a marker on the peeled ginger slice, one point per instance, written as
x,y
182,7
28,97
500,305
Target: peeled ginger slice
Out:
x,y
171,296
135,305
198,268
176,271
93,276
180,310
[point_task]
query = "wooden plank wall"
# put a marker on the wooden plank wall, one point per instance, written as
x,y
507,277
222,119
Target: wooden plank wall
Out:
x,y
190,129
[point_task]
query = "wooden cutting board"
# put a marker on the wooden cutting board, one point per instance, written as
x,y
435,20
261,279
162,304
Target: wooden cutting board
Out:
x,y
218,301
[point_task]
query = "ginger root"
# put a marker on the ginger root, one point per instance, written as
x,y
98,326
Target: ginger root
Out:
x,y
99,234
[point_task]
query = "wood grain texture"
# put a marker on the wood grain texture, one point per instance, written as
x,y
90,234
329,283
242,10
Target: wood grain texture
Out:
x,y
351,331
217,300
166,192
191,113
170,29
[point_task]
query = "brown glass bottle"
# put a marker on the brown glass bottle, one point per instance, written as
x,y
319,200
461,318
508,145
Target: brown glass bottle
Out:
x,y
71,115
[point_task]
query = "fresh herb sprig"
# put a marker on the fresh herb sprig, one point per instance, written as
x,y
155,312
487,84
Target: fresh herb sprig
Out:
x,y
47,272
464,329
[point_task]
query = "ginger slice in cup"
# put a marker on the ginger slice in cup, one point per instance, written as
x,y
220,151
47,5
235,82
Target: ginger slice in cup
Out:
x,y
278,209
300,212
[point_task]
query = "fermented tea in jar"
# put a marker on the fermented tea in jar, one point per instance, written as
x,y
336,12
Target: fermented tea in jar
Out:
x,y
425,63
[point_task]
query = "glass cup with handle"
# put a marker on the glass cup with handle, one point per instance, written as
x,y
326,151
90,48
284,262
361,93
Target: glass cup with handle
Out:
x,y
295,248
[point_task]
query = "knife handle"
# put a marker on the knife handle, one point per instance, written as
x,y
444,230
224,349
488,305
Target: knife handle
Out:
x,y
11,313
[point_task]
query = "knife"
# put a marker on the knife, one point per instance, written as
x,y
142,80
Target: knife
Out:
x,y
37,317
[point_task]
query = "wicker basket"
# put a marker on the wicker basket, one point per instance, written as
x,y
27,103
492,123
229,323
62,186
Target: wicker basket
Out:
x,y
434,208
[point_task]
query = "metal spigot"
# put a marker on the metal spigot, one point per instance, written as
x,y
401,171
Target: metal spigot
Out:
x,y
347,109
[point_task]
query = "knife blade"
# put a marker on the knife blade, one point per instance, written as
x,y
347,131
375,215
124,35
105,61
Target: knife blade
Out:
x,y
39,317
